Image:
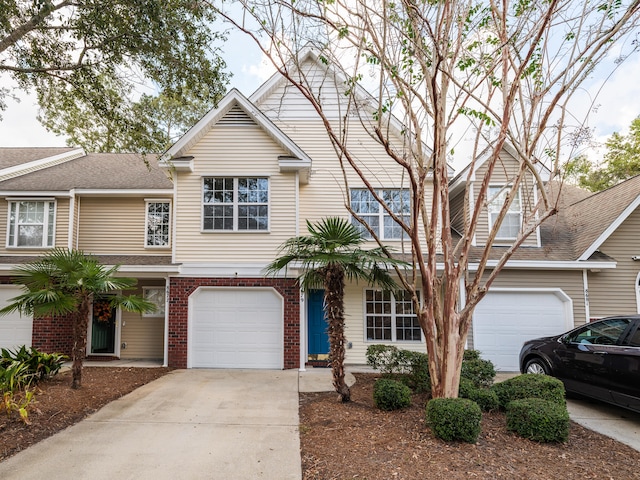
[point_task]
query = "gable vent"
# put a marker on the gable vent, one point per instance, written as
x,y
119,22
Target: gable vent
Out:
x,y
236,117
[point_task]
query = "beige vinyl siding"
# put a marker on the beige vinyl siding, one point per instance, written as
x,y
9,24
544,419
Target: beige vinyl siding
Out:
x,y
613,291
234,151
114,225
504,173
355,329
456,206
61,228
143,336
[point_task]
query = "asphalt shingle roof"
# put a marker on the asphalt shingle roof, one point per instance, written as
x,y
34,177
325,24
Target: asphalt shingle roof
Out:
x,y
10,157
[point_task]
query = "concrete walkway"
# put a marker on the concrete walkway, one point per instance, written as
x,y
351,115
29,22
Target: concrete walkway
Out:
x,y
192,424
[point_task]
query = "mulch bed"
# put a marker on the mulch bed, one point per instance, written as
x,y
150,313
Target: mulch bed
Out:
x,y
358,441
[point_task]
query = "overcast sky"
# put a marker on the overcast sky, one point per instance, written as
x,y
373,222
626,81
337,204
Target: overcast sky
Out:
x,y
617,103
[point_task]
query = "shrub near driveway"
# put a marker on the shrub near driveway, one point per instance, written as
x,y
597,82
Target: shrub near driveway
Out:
x,y
454,419
530,385
539,420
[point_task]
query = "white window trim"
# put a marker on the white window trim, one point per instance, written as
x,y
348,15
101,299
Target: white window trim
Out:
x,y
519,212
147,202
381,214
394,338
46,227
235,204
157,313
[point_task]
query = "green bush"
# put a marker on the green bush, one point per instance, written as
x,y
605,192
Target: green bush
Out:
x,y
411,368
480,372
471,355
538,419
486,398
41,365
390,394
454,419
530,385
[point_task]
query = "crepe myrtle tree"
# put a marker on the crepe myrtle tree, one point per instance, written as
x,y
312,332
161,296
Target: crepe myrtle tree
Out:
x,y
66,283
477,76
328,256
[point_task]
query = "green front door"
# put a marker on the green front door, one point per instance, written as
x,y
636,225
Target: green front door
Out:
x,y
103,327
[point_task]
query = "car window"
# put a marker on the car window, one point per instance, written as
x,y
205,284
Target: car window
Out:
x,y
605,332
634,340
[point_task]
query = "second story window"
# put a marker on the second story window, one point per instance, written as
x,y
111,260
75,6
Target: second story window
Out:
x,y
31,223
365,205
235,204
158,223
512,221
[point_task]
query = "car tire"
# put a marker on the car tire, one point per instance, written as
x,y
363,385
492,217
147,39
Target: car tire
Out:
x,y
536,365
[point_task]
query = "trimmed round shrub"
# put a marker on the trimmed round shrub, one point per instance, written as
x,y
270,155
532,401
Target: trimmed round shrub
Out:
x,y
538,419
391,395
480,372
454,419
486,398
466,387
530,385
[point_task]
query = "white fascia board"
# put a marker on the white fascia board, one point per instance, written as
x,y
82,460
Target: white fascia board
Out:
x,y
610,229
43,162
142,269
123,192
229,270
548,265
27,194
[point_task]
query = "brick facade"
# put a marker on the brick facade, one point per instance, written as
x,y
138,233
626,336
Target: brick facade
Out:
x,y
53,334
180,288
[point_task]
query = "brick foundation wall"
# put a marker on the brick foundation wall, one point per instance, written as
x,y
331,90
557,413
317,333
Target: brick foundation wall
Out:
x,y
180,288
53,334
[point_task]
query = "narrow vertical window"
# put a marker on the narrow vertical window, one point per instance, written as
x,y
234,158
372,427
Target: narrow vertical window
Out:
x,y
158,223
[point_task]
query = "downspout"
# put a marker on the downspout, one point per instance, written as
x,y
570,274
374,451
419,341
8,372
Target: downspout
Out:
x,y
302,295
165,362
71,227
585,290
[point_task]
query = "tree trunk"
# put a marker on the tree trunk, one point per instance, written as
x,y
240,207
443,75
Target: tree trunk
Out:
x,y
334,301
80,326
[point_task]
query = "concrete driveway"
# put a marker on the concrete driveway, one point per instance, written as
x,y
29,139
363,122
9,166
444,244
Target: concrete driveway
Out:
x,y
192,424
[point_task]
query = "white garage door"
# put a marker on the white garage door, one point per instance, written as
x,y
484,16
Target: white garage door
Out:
x,y
503,320
235,328
15,330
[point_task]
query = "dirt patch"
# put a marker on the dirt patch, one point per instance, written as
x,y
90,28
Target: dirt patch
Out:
x,y
57,406
358,441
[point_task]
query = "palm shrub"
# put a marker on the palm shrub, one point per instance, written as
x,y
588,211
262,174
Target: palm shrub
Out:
x,y
454,419
391,395
530,385
538,419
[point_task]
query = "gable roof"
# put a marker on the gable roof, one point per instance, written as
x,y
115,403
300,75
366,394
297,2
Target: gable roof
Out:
x,y
234,103
19,161
596,217
363,96
94,171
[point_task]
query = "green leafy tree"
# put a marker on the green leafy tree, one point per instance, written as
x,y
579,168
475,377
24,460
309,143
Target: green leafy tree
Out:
x,y
621,161
85,59
327,256
66,282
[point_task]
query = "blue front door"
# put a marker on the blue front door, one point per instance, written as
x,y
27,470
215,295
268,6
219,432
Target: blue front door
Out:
x,y
318,338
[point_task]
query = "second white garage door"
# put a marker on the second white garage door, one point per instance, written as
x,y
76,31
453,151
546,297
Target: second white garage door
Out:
x,y
503,320
15,330
236,328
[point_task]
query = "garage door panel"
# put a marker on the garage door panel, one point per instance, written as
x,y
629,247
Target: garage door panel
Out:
x,y
236,328
15,330
504,320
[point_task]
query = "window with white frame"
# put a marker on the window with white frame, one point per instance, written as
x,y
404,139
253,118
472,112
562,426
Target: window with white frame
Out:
x,y
158,223
155,295
512,221
390,316
235,204
376,216
31,223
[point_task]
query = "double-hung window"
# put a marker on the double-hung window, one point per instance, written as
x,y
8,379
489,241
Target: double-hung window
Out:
x,y
512,221
158,223
376,216
31,223
390,316
235,204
